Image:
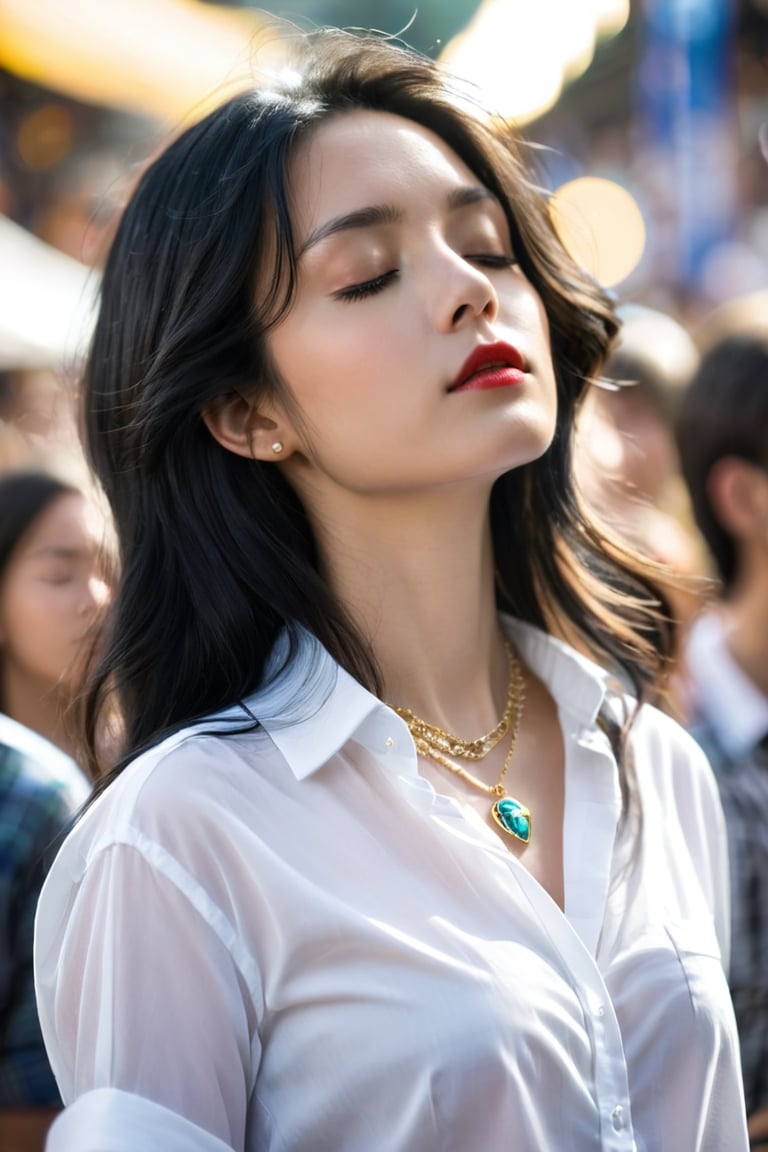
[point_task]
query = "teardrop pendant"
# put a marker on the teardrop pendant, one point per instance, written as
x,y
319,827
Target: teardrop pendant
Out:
x,y
513,817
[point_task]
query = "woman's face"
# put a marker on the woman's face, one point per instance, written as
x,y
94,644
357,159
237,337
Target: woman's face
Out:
x,y
51,591
405,270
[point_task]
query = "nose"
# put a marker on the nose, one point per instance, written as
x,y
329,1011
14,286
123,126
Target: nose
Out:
x,y
463,292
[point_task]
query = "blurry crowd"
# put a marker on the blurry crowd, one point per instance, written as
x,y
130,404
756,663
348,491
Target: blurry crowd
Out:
x,y
56,570
674,460
672,454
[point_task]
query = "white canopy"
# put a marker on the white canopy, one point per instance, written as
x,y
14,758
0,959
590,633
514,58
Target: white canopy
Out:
x,y
47,301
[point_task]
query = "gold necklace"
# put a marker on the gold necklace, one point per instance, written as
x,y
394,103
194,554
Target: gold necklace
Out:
x,y
452,745
512,816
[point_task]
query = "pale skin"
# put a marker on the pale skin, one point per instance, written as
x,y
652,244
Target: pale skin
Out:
x,y
51,591
394,470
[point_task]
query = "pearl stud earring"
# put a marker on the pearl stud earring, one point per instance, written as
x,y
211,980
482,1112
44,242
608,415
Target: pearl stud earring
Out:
x,y
277,447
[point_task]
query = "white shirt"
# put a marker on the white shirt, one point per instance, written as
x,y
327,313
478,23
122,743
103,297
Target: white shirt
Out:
x,y
718,687
288,941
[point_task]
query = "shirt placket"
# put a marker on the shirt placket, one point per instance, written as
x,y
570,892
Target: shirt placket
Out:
x,y
587,753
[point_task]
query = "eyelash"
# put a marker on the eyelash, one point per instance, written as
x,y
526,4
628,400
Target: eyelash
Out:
x,y
371,287
368,288
495,261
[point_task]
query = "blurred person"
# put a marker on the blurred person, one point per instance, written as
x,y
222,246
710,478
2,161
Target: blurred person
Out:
x,y
79,214
723,438
37,408
642,495
649,370
41,789
46,560
15,448
330,398
627,458
52,588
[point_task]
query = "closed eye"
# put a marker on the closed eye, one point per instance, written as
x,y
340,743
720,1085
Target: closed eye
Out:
x,y
489,260
367,288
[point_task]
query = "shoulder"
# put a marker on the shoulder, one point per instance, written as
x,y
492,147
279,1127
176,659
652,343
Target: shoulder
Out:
x,y
187,824
658,730
667,754
674,777
197,781
668,759
681,798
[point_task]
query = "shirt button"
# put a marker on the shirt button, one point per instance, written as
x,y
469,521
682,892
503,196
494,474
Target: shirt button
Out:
x,y
617,1118
600,1010
389,742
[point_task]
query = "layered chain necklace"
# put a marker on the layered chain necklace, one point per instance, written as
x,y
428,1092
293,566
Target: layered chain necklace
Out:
x,y
444,749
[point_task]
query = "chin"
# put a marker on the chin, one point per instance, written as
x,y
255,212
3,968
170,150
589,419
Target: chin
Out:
x,y
536,445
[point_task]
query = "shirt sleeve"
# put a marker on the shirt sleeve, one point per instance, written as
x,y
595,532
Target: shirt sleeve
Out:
x,y
107,1117
139,991
722,897
677,775
700,812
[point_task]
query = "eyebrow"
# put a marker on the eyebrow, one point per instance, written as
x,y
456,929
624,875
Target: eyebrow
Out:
x,y
376,215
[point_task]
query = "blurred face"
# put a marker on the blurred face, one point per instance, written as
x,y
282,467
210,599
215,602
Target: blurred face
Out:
x,y
650,455
51,592
416,349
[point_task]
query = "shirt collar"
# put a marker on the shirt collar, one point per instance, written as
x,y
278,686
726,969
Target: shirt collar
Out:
x,y
350,710
733,706
577,684
337,708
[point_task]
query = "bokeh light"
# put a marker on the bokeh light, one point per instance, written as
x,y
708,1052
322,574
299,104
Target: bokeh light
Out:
x,y
167,58
519,54
44,137
601,226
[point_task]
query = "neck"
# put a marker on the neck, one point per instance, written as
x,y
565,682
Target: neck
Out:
x,y
417,577
37,705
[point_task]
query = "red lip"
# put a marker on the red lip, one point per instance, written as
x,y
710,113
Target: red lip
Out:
x,y
496,365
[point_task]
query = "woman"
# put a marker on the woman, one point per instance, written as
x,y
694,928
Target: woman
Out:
x,y
49,592
52,589
330,397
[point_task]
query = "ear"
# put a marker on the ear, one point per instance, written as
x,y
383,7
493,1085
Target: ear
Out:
x,y
738,493
249,427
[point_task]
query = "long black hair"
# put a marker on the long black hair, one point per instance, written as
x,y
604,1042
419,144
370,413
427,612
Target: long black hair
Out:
x,y
218,555
25,494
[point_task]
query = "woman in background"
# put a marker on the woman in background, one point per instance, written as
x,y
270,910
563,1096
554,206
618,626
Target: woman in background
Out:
x,y
50,592
627,462
52,589
386,864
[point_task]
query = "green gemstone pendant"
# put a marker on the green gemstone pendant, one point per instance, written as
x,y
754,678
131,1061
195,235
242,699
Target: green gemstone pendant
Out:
x,y
513,817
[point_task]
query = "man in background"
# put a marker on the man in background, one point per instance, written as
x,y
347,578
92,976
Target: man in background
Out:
x,y
723,442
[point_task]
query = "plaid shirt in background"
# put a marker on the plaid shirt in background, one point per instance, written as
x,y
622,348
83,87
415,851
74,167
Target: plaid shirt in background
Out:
x,y
40,790
743,784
